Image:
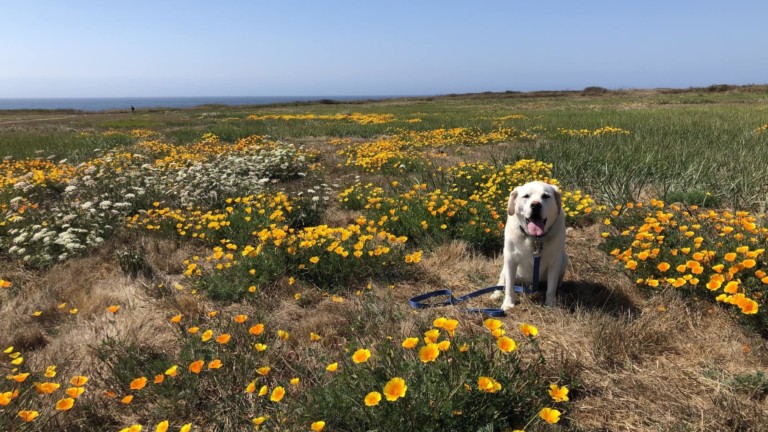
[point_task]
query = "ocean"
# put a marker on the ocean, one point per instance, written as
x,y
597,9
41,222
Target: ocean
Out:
x,y
125,103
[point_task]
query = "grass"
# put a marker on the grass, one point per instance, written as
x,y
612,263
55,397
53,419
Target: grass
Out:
x,y
369,215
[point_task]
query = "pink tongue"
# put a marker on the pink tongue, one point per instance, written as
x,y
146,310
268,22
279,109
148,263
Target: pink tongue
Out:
x,y
536,228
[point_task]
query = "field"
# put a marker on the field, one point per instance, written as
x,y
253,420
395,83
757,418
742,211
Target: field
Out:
x,y
249,268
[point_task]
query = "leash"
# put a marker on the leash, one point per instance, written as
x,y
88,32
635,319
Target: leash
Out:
x,y
417,302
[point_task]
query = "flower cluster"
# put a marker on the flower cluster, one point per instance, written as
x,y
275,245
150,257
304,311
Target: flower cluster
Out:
x,y
605,130
363,119
702,250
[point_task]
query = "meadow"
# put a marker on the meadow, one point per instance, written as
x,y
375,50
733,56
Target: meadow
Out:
x,y
248,268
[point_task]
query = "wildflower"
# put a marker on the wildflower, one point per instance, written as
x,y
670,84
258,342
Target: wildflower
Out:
x,y
159,378
395,389
196,366
318,426
78,381
282,334
20,377
488,385
263,390
259,420
410,343
430,336
529,330
506,344
74,392
314,337
46,387
372,398
28,416
138,383
193,330
132,428
260,347
172,371
444,345
207,335
277,394
314,260
492,324
664,266
113,309
162,426
214,364
223,338
429,352
186,428
256,329
295,381
6,398
559,394
361,355
333,367
240,318
65,404
127,399
550,415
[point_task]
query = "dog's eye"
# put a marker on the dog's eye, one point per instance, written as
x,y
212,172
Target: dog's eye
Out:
x,y
526,196
545,196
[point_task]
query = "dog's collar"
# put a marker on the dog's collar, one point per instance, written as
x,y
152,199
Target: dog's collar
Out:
x,y
538,244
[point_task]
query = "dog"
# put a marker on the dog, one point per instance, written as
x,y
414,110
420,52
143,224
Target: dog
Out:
x,y
535,220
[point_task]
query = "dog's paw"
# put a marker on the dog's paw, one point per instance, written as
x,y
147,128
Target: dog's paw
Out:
x,y
506,307
497,295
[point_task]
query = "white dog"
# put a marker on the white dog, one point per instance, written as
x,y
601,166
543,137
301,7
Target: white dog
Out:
x,y
535,224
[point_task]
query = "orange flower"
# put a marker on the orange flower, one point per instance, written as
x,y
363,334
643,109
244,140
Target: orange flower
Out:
x,y
46,387
162,426
506,344
410,343
730,256
75,392
138,383
264,370
223,338
361,355
430,336
529,330
65,404
333,367
263,390
126,400
488,384
78,381
277,394
176,319
28,416
19,378
317,426
314,337
395,389
256,329
550,415
251,387
444,345
196,366
492,324
113,309
240,318
215,364
559,394
429,352
159,379
372,399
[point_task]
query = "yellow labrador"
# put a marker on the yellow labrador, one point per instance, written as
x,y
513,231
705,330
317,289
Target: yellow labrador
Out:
x,y
535,220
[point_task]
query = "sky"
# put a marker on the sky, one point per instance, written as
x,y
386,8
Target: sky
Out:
x,y
138,48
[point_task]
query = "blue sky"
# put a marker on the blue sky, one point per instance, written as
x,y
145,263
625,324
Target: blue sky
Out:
x,y
79,48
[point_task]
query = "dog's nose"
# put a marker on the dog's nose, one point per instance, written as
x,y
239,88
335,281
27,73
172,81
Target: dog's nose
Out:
x,y
535,205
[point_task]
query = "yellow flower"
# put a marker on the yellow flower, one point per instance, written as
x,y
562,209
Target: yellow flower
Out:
x,y
361,355
492,324
318,426
488,384
162,426
550,415
332,367
372,399
263,390
444,345
395,389
207,335
529,330
251,387
172,371
314,337
28,416
430,336
277,394
259,420
282,334
559,394
264,370
410,343
429,352
295,381
132,428
260,347
186,428
506,344
314,260
65,404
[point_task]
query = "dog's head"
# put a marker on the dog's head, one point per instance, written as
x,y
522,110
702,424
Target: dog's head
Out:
x,y
537,205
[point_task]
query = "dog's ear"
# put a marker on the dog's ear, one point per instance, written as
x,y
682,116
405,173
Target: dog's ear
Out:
x,y
558,198
511,204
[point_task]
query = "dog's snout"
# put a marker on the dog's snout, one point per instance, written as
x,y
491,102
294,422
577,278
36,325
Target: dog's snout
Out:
x,y
535,205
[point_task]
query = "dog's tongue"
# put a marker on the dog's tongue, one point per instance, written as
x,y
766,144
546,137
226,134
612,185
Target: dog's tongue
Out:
x,y
536,228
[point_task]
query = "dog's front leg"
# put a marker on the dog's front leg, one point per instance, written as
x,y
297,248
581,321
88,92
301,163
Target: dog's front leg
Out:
x,y
510,270
553,280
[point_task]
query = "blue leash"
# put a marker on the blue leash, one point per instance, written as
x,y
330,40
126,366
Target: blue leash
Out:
x,y
417,302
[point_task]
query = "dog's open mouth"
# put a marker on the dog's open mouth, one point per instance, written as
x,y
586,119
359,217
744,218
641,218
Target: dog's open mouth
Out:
x,y
535,226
